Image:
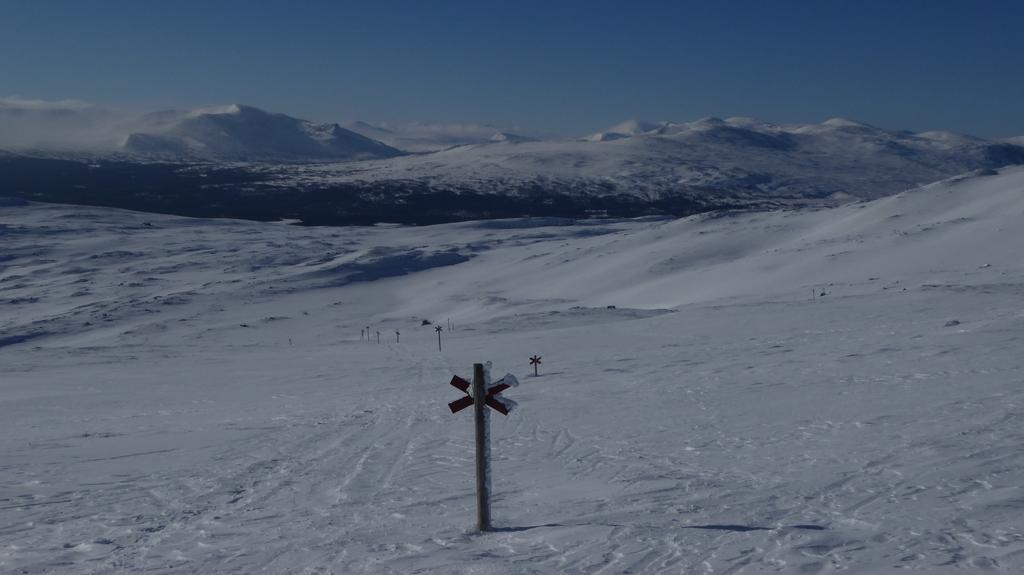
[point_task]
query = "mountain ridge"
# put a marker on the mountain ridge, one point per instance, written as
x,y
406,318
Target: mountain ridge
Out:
x,y
239,132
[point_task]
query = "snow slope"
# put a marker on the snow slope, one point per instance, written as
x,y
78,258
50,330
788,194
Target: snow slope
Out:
x,y
707,160
193,395
245,133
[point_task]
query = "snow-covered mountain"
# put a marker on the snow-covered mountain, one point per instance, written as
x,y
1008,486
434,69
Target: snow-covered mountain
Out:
x,y
711,158
419,137
245,133
793,391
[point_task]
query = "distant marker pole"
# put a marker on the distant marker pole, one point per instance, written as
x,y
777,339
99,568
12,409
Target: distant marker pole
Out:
x,y
378,338
535,361
438,329
398,336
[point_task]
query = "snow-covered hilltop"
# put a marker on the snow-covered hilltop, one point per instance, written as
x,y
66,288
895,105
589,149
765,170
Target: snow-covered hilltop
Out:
x,y
249,134
624,130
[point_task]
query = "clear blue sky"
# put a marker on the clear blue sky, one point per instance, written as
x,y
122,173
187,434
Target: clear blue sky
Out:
x,y
568,66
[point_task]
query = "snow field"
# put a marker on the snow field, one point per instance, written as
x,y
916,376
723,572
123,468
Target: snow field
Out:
x,y
192,396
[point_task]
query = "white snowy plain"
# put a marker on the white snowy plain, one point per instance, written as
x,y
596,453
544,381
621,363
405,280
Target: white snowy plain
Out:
x,y
193,396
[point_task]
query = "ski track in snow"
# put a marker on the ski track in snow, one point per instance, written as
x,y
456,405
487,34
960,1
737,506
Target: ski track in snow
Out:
x,y
186,396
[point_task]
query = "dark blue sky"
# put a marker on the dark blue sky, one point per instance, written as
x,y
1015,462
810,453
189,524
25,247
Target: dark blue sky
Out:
x,y
567,66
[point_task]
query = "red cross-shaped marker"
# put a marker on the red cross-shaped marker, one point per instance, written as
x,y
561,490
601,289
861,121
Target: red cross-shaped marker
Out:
x,y
491,399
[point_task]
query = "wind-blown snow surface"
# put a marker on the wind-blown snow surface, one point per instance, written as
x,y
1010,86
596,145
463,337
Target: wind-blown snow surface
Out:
x,y
186,396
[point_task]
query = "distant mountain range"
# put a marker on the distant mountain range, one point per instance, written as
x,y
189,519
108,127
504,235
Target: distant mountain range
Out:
x,y
241,161
738,159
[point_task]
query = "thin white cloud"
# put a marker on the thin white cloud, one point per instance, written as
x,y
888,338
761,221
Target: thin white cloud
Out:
x,y
59,124
18,103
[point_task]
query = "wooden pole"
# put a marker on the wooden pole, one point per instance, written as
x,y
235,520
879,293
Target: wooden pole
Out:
x,y
483,449
438,329
378,338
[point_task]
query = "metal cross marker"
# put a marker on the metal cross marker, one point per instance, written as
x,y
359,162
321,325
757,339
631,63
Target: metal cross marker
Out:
x,y
482,394
502,405
535,361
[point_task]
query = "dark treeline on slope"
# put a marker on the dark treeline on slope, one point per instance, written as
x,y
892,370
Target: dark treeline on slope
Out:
x,y
212,191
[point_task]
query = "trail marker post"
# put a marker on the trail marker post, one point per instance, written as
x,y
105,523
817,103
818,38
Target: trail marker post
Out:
x,y
482,394
398,336
438,329
535,361
378,338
